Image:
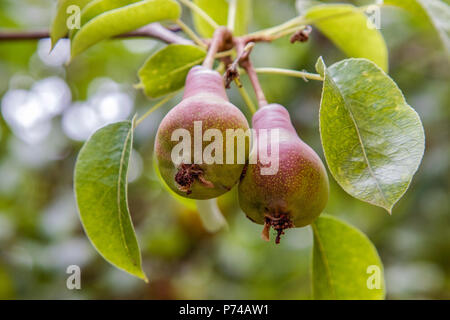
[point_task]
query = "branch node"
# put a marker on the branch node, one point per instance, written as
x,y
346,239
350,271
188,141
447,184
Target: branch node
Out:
x,y
222,41
301,35
232,72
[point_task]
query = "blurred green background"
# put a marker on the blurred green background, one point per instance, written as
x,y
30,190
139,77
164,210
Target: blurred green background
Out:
x,y
49,109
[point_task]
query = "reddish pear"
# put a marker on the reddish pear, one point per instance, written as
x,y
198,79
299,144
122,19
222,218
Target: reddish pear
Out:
x,y
205,102
297,193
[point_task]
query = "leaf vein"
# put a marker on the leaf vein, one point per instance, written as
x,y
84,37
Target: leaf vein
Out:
x,y
324,258
363,149
119,182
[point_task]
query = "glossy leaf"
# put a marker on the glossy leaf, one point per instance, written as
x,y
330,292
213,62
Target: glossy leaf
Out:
x,y
122,20
166,70
435,13
348,28
373,140
345,263
218,11
101,194
97,7
59,27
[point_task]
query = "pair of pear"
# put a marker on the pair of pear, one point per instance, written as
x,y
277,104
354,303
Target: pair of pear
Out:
x,y
294,196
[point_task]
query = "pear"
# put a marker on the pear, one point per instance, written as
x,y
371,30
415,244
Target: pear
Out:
x,y
204,104
294,195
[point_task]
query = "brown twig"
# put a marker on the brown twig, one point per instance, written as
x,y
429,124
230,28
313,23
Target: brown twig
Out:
x,y
256,38
23,35
154,30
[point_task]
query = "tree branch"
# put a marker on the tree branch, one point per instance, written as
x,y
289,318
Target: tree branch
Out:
x,y
23,35
154,30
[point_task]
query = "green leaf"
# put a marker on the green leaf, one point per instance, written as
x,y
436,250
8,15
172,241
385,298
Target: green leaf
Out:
x,y
122,20
97,7
218,11
373,140
59,28
435,13
166,70
101,193
348,28
345,263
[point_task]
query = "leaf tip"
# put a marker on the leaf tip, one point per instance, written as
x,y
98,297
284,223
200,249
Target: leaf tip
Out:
x,y
53,42
139,273
144,277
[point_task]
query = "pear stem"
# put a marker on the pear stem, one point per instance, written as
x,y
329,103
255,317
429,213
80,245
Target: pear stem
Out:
x,y
222,40
246,63
262,101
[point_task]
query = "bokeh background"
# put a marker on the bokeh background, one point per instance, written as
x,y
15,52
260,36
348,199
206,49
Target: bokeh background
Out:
x,y
49,109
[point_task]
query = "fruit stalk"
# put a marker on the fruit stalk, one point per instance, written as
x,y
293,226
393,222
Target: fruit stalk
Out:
x,y
222,40
244,51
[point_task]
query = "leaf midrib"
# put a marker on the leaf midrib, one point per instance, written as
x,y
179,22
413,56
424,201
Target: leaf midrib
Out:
x,y
324,258
361,142
119,210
